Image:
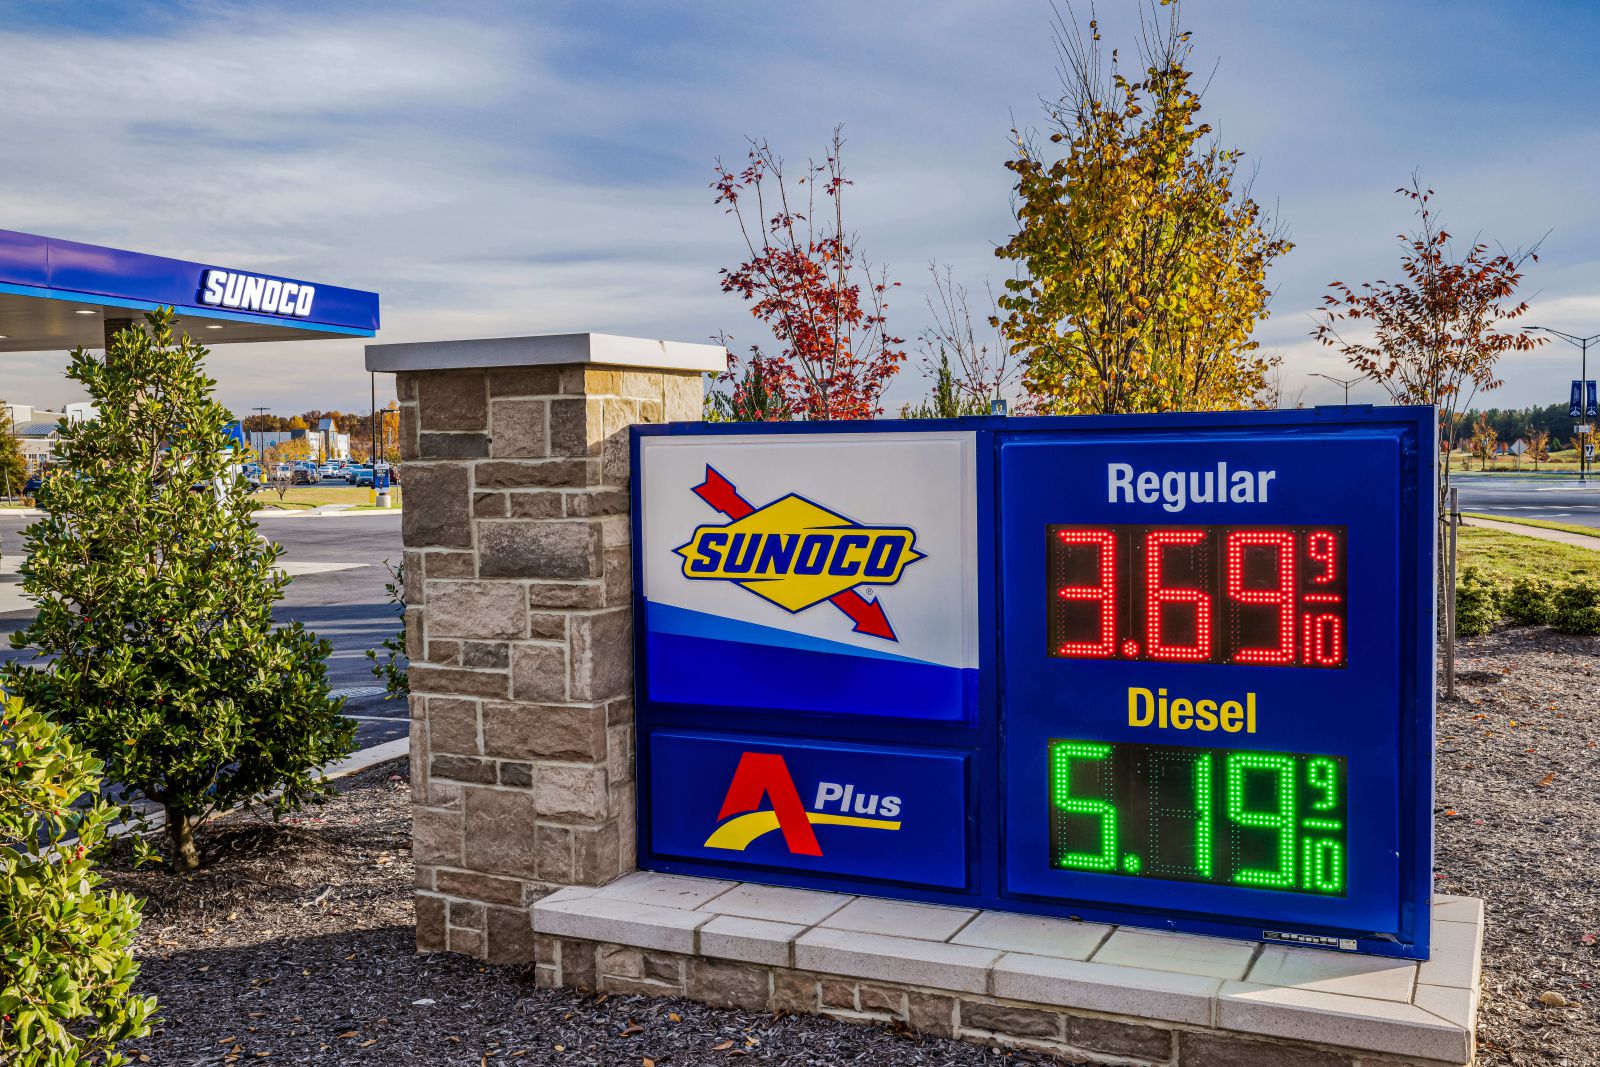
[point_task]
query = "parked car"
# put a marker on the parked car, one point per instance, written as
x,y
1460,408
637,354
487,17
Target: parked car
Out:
x,y
31,486
331,469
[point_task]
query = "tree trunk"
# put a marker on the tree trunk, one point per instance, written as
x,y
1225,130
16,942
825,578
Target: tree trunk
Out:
x,y
180,833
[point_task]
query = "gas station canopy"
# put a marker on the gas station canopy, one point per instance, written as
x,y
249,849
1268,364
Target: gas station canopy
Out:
x,y
57,294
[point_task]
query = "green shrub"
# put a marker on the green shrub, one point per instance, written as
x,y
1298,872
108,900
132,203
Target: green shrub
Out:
x,y
155,592
1576,607
394,664
1530,601
1478,602
66,966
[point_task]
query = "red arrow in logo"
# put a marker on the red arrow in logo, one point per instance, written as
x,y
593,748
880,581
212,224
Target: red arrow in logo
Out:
x,y
867,614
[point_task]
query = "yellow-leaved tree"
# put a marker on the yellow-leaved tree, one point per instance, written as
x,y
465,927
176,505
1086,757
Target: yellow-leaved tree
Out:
x,y
1142,258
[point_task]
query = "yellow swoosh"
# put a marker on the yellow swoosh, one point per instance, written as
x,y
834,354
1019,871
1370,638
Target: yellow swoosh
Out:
x,y
736,834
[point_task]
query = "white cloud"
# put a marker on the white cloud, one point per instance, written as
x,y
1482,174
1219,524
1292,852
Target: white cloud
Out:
x,y
535,170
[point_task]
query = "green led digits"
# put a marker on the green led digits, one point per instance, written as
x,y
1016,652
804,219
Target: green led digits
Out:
x,y
1180,808
1324,864
1062,753
1154,811
1323,774
1280,820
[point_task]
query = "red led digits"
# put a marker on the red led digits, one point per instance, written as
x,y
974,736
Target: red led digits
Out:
x,y
1157,594
1282,595
1323,547
1324,640
1105,593
1324,633
1237,595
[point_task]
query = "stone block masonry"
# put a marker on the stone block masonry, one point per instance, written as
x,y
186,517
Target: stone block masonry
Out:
x,y
519,616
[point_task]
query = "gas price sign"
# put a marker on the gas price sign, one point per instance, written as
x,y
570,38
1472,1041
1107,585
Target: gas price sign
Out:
x,y
1169,670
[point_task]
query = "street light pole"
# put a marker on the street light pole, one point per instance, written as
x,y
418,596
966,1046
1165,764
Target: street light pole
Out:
x,y
1583,392
1340,382
261,441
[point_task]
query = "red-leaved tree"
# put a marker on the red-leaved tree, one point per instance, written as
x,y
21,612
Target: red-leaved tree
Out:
x,y
1435,336
805,280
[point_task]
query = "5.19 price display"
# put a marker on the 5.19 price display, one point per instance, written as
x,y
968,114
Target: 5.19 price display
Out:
x,y
1248,595
1258,820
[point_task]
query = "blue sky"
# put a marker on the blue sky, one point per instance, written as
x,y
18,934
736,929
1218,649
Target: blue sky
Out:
x,y
498,169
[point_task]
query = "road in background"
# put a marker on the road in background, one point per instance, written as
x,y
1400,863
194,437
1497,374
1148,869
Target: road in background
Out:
x,y
338,591
1557,498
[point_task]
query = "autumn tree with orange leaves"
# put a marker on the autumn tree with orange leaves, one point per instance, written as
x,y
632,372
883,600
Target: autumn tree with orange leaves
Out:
x,y
807,282
1435,335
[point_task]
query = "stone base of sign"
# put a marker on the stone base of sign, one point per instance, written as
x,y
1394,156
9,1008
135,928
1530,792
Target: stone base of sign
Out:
x,y
519,615
1084,991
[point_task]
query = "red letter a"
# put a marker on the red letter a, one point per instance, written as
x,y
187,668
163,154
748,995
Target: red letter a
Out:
x,y
766,774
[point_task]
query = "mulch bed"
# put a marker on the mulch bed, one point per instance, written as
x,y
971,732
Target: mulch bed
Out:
x,y
294,944
1518,824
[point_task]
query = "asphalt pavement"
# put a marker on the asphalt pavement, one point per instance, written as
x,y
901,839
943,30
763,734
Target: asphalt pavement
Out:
x,y
1553,497
338,591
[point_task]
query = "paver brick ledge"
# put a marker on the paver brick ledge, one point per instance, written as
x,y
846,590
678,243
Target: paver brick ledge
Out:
x,y
1083,991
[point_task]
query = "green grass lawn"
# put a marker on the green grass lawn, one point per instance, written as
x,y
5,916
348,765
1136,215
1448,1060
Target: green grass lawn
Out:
x,y
1566,527
1564,462
1507,556
301,497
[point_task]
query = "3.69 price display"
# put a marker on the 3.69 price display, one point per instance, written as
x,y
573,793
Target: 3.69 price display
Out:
x,y
1259,820
1259,595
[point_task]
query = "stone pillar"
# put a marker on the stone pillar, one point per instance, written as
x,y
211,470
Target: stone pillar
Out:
x,y
519,616
113,323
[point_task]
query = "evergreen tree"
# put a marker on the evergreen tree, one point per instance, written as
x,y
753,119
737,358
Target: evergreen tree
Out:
x,y
155,596
758,393
947,400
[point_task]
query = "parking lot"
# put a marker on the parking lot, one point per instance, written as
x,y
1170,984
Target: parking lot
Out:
x,y
337,561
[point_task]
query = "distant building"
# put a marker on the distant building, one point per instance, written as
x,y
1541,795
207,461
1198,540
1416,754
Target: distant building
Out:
x,y
267,440
36,428
335,445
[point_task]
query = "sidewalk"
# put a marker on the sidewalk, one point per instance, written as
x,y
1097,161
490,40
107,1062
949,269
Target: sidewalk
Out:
x,y
265,512
1560,536
323,511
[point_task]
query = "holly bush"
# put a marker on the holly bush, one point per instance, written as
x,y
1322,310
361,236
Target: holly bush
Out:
x,y
66,969
1478,602
1530,601
1575,608
155,592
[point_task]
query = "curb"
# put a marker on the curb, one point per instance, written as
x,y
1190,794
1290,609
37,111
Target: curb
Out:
x,y
338,510
369,757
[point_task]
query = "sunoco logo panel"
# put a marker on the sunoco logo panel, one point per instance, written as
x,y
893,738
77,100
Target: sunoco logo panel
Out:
x,y
810,572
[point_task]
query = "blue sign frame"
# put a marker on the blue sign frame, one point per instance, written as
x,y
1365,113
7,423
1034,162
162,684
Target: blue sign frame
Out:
x,y
1386,914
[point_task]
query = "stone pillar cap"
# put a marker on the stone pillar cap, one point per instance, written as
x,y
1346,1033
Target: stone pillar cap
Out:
x,y
542,349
